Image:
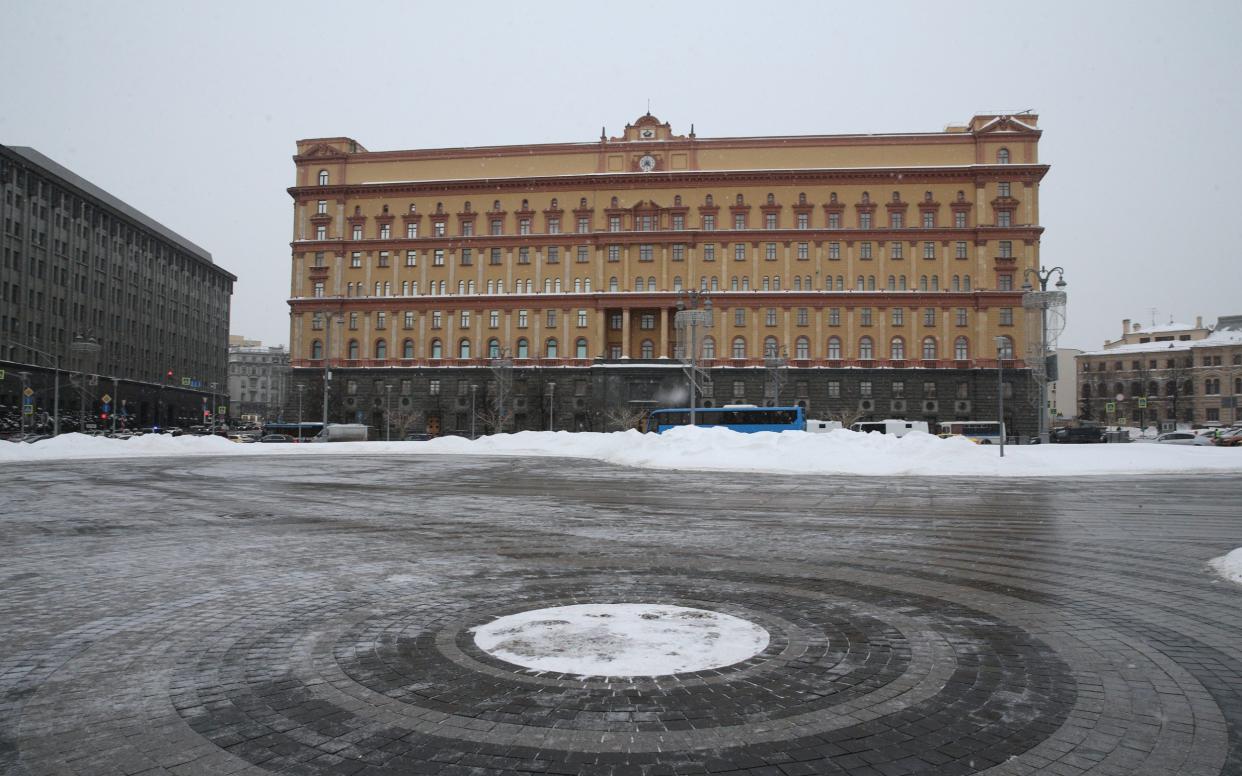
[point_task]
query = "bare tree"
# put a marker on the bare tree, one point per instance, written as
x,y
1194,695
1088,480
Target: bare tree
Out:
x,y
623,417
1179,382
404,421
491,419
846,417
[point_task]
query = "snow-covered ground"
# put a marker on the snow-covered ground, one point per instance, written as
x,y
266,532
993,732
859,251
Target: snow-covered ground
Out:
x,y
1229,566
837,452
624,639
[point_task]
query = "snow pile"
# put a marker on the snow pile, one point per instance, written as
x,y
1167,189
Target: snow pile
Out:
x,y
621,639
713,449
1229,566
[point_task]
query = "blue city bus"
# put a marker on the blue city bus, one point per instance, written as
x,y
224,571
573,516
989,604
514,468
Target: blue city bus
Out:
x,y
744,418
303,431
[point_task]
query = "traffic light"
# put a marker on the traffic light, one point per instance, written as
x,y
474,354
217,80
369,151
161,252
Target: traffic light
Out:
x,y
170,374
103,416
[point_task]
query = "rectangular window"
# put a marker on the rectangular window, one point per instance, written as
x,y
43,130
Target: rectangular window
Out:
x,y
353,321
321,206
1004,282
437,258
864,249
385,231
1006,316
498,226
357,232
465,319
493,319
896,249
433,386
709,252
645,253
769,252
467,228
614,223
523,226
899,316
834,316
321,232
864,388
834,389
645,223
553,257
769,318
834,251
411,258
318,288
929,219
584,254
582,319
929,316
929,250
899,389
739,220
584,225
1002,189
522,319
804,220
864,220
769,220
896,220
739,316
739,253
834,220
1006,249
1004,218
679,223
739,389
436,319
550,318
319,260
864,316
961,250
467,257
355,259
804,251
646,322
929,390
679,252
407,321
381,320
709,223
959,219
382,261
411,230
803,316
614,321
614,253
554,226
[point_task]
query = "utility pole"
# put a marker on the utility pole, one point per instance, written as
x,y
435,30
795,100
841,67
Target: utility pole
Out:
x,y
1043,300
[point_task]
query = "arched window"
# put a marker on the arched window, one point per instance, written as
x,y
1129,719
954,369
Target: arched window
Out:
x,y
965,282
922,282
715,283
897,349
437,350
771,348
550,349
316,350
381,350
586,285
834,347
491,286
866,350
323,177
961,348
470,287
353,350
935,283
802,348
651,284
871,282
1004,350
493,348
709,347
461,287
862,284
640,284
739,347
771,199
547,285
377,289
530,284
676,199
956,283
647,349
612,283
901,282
929,348
1002,156
708,200
463,349
797,283
407,349
677,283
556,285
577,285
523,348
580,348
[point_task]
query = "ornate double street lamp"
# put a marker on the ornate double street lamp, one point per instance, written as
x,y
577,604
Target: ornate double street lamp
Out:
x,y
329,319
1044,365
690,316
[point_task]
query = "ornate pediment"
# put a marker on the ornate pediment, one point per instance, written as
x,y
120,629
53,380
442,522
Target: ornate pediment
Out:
x,y
323,151
1008,125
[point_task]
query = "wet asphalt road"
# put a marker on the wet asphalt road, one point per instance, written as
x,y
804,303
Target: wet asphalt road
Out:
x,y
286,615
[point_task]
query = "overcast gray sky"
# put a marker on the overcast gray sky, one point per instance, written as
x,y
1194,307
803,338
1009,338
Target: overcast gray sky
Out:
x,y
189,112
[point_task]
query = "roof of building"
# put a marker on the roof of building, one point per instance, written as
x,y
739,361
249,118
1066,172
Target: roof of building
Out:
x,y
70,178
1228,331
1162,328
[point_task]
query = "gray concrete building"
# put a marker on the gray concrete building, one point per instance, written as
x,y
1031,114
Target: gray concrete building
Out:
x,y
258,381
131,316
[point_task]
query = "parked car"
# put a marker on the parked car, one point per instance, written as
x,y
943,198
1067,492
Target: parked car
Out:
x,y
1184,438
1229,438
276,438
418,437
1078,435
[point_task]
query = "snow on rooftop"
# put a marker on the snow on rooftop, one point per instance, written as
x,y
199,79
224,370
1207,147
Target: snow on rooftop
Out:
x,y
709,449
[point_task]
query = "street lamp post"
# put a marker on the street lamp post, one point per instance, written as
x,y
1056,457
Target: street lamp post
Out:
x,y
1002,344
388,412
83,345
116,400
551,406
301,390
26,400
327,364
1043,299
473,388
690,317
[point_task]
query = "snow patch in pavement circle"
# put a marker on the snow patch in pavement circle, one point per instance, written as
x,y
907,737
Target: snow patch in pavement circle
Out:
x,y
624,639
1229,566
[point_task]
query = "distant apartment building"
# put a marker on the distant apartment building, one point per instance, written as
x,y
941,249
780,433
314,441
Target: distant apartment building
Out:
x,y
134,315
1169,373
258,379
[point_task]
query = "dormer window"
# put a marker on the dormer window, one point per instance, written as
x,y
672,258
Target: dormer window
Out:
x,y
496,204
554,203
413,208
323,177
677,200
927,196
771,199
1002,156
866,198
466,207
614,202
896,196
961,196
708,201
525,205
582,202
739,199
439,208
832,198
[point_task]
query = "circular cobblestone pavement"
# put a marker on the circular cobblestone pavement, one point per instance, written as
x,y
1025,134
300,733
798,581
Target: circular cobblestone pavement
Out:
x,y
281,616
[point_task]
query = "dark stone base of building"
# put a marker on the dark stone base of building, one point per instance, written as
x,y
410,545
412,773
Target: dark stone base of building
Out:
x,y
135,404
610,396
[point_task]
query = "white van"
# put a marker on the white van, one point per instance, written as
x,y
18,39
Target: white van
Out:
x,y
823,426
342,432
897,428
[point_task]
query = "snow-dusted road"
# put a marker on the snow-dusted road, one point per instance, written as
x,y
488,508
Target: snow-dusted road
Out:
x,y
317,613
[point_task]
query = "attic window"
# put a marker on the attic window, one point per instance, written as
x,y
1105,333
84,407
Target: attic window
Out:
x,y
1002,156
323,177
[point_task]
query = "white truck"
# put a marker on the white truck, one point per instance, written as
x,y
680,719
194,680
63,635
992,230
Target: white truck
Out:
x,y
897,428
822,426
342,432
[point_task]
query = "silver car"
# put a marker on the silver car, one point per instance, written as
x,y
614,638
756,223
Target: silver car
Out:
x,y
1184,438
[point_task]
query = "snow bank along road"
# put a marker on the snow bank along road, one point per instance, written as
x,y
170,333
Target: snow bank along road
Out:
x,y
260,614
711,449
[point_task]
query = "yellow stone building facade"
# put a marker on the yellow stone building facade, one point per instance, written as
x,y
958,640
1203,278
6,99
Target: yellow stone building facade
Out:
x,y
899,251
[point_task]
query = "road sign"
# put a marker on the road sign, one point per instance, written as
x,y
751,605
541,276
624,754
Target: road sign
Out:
x,y
1142,403
105,398
185,381
28,392
27,409
1121,421
1,374
221,409
106,407
1110,407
